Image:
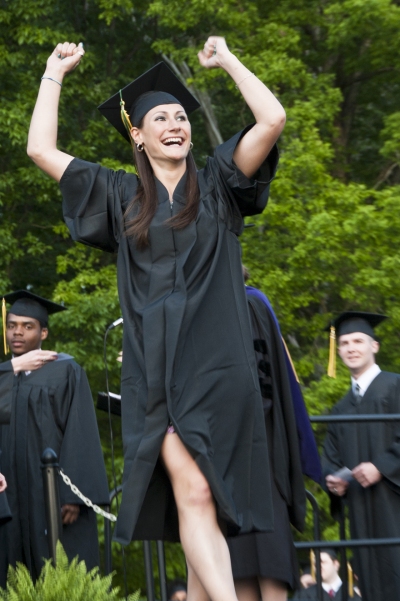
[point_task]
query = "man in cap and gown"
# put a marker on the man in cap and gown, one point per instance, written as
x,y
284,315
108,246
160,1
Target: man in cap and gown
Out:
x,y
332,584
45,401
361,460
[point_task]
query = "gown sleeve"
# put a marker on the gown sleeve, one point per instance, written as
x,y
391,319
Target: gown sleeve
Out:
x,y
80,454
245,196
92,199
388,462
5,513
7,377
331,457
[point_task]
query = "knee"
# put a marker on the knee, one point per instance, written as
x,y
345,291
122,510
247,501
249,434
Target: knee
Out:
x,y
198,493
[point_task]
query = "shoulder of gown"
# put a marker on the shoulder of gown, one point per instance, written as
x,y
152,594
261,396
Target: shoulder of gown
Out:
x,y
94,200
248,196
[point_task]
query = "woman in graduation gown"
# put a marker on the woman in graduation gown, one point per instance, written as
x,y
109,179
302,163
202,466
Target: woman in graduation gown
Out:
x,y
189,366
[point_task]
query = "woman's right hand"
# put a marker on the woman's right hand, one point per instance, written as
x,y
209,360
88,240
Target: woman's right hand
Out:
x,y
64,58
33,360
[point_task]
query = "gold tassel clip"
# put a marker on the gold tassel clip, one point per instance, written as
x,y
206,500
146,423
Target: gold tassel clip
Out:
x,y
332,353
312,565
126,119
351,580
4,316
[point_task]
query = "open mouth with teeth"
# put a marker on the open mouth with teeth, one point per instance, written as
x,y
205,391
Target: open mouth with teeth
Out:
x,y
173,142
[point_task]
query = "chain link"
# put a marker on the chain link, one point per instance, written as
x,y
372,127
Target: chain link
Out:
x,y
88,502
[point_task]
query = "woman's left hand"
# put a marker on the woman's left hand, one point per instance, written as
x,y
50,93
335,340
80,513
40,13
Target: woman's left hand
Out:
x,y
213,53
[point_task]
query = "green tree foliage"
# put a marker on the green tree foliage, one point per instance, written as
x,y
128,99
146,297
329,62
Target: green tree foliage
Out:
x,y
63,582
328,239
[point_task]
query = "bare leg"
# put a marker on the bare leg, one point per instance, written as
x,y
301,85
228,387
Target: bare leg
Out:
x,y
196,591
247,589
205,547
252,589
272,590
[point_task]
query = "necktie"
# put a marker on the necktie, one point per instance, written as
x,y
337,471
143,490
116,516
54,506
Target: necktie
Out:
x,y
332,592
357,393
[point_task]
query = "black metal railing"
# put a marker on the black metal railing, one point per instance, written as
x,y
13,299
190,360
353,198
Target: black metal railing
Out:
x,y
343,544
316,545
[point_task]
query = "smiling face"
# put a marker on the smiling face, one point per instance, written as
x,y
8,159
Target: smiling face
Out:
x,y
357,352
165,134
24,334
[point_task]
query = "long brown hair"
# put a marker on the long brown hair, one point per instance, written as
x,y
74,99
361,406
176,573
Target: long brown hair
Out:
x,y
146,199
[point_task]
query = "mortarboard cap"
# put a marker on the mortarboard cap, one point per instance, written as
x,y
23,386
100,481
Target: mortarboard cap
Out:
x,y
348,323
175,586
158,85
26,304
331,552
356,321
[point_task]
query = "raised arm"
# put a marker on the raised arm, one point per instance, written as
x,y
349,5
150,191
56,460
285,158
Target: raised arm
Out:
x,y
269,114
42,139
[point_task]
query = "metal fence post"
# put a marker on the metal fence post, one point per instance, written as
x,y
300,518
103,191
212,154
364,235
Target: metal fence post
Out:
x,y
148,566
52,500
161,570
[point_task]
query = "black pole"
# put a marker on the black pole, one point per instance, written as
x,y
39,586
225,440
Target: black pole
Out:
x,y
343,554
52,500
107,545
317,537
107,533
161,570
148,566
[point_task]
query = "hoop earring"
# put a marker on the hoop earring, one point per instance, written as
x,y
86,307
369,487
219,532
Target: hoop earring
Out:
x,y
191,145
139,147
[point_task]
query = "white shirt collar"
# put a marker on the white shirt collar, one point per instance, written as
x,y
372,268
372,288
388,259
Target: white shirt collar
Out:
x,y
365,379
335,585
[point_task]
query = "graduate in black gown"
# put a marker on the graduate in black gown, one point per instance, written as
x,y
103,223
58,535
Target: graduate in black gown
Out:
x,y
189,365
332,585
45,401
371,453
265,564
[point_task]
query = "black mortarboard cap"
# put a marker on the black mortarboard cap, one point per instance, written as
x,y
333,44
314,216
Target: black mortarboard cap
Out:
x,y
356,321
331,552
175,586
27,304
158,85
348,323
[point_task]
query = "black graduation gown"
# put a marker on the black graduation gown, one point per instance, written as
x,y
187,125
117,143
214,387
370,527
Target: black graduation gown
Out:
x,y
272,555
375,511
5,513
187,346
311,594
49,407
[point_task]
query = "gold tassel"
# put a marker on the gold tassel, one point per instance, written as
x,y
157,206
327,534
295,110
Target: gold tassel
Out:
x,y
332,353
351,580
126,119
4,316
290,359
312,565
